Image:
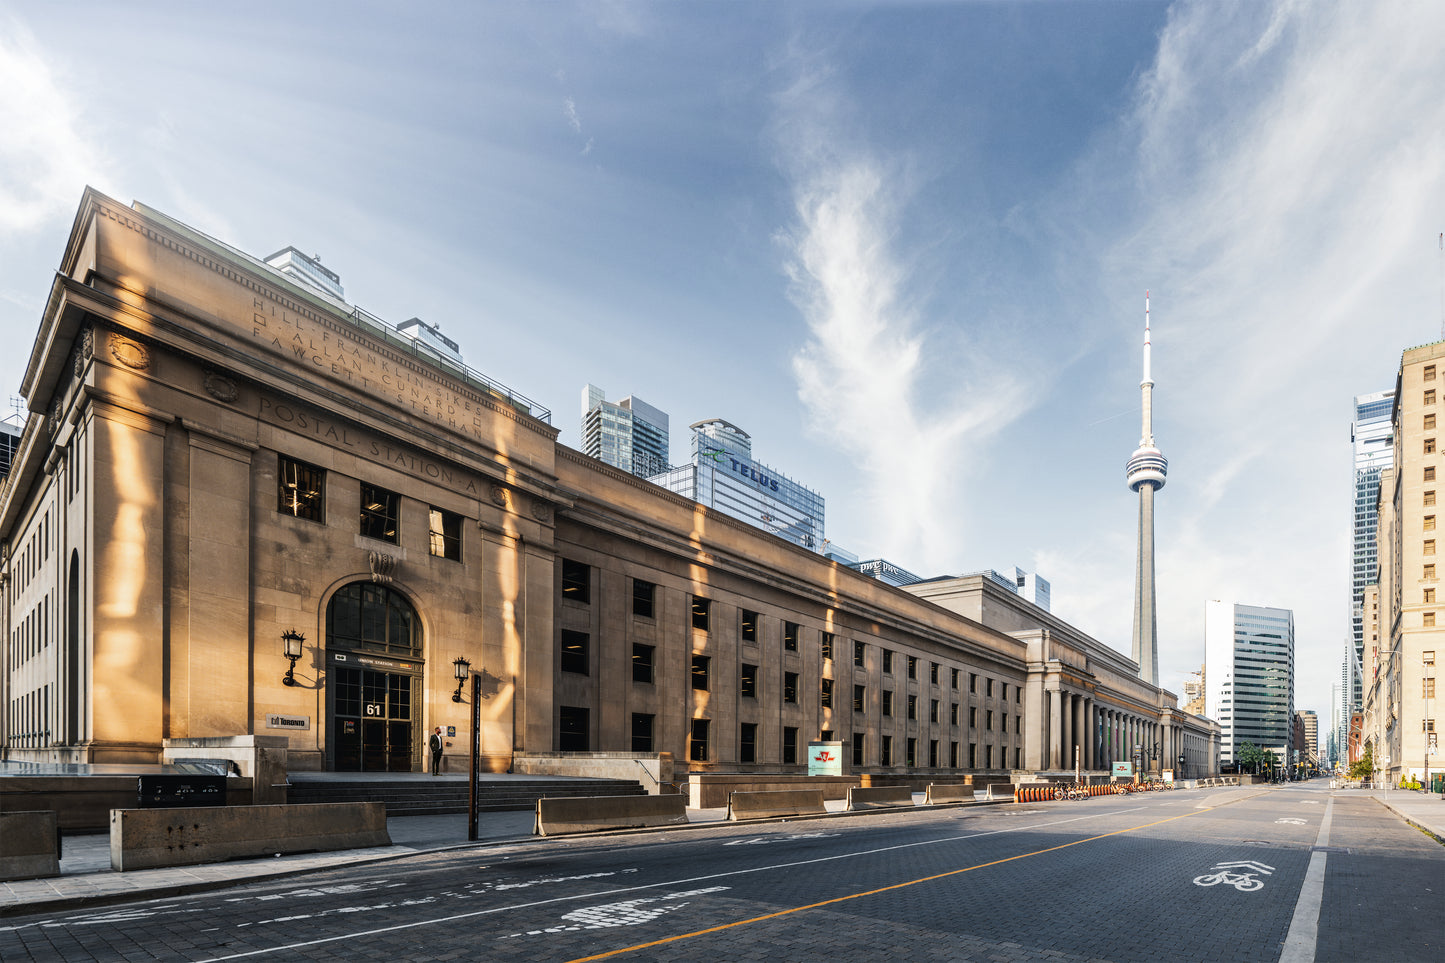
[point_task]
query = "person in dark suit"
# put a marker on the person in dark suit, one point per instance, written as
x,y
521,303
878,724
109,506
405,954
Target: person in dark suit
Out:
x,y
435,743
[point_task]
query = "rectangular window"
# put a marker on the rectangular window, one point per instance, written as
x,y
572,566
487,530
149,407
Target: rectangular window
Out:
x,y
858,695
1429,446
1003,691
826,644
572,729
749,626
1429,372
574,652
953,714
825,695
1003,722
378,513
748,742
576,581
301,490
641,732
885,751
697,743
912,667
790,746
912,707
1430,396
973,682
859,651
700,611
973,718
790,687
700,664
988,757
1430,570
1429,523
888,661
1429,473
825,735
933,674
1428,619
1428,656
933,754
446,534
1429,422
1429,689
1430,497
857,741
642,593
641,662
953,755
1429,596
988,688
887,703
953,678
989,721
910,752
748,685
933,710
790,636
973,755
1429,546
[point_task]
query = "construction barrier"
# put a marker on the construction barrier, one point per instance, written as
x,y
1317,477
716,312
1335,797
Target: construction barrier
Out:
x,y
940,793
776,802
29,845
150,838
557,816
881,797
1036,793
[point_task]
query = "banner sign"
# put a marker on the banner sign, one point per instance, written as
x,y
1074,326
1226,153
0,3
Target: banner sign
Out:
x,y
825,758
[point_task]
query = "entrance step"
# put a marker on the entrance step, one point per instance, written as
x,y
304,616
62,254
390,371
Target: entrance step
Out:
x,y
421,797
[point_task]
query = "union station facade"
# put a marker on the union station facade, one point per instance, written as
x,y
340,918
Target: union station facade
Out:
x,y
220,460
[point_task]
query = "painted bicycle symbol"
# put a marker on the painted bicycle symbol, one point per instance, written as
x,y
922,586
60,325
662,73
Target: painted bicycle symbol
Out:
x,y
1239,875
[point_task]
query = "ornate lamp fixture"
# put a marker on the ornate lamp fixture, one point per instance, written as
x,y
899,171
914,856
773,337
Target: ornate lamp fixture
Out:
x,y
462,669
292,641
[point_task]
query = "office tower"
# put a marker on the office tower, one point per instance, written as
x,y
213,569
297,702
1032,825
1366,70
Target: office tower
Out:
x,y
631,434
723,475
1312,733
1249,654
1032,586
1373,452
1145,473
1401,730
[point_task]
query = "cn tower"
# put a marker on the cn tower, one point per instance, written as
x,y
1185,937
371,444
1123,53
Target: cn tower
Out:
x,y
1145,474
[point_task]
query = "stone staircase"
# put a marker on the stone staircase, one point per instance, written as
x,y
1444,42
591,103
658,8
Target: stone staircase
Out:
x,y
421,797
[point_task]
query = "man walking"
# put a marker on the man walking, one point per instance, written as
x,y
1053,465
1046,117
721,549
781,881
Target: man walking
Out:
x,y
435,742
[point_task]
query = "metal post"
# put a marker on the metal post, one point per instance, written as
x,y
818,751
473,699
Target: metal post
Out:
x,y
475,754
1425,668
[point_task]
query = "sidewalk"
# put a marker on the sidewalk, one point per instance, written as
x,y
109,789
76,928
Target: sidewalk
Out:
x,y
1424,811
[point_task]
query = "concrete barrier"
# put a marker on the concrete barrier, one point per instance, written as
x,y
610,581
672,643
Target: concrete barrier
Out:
x,y
710,790
882,797
943,793
29,845
652,770
588,814
781,802
148,838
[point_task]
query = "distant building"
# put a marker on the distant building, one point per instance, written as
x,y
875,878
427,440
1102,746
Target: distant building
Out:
x,y
1312,735
11,429
1370,434
1033,587
885,571
631,434
1249,654
1194,693
431,336
722,474
308,270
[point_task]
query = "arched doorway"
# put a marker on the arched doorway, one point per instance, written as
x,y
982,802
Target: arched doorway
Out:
x,y
373,691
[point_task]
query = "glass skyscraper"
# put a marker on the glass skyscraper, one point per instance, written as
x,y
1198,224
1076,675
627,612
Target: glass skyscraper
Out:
x,y
1372,437
1249,677
631,434
723,475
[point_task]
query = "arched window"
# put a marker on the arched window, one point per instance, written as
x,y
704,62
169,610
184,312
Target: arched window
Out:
x,y
371,617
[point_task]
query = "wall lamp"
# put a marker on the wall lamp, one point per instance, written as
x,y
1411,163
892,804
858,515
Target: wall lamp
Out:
x,y
292,641
462,669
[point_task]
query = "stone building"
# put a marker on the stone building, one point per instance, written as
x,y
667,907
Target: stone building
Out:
x,y
221,459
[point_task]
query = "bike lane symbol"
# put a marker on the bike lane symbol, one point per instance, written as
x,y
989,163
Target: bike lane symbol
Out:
x,y
1240,875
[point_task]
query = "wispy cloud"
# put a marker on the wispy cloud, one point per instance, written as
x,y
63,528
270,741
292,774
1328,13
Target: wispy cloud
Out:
x,y
45,159
862,369
569,110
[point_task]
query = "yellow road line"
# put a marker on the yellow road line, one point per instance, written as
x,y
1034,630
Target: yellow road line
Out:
x,y
874,892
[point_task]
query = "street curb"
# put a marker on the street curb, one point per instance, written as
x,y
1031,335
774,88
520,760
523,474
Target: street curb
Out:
x,y
1424,829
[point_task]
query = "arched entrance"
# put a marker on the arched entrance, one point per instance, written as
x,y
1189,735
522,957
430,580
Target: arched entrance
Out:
x,y
373,691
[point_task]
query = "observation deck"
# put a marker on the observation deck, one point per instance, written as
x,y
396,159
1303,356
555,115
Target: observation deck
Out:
x,y
1147,466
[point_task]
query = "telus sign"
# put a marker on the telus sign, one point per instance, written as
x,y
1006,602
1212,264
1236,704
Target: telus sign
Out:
x,y
744,469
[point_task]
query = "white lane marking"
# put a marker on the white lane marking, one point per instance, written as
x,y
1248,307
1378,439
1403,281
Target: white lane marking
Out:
x,y
1304,928
1289,821
676,882
781,838
627,913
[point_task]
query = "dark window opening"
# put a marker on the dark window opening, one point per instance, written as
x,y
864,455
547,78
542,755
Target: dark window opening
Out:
x,y
301,490
574,652
379,513
576,581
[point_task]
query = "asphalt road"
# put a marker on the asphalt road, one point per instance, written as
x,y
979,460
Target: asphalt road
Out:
x,y
1293,874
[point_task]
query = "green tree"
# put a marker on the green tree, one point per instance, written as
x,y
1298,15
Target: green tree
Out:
x,y
1364,767
1249,757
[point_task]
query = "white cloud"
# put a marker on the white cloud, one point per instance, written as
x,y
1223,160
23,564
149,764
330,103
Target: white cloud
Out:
x,y
45,159
569,109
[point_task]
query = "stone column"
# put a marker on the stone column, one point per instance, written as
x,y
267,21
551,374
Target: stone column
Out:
x,y
1081,732
1056,730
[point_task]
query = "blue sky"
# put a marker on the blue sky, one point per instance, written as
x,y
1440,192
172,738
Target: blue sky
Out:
x,y
904,245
